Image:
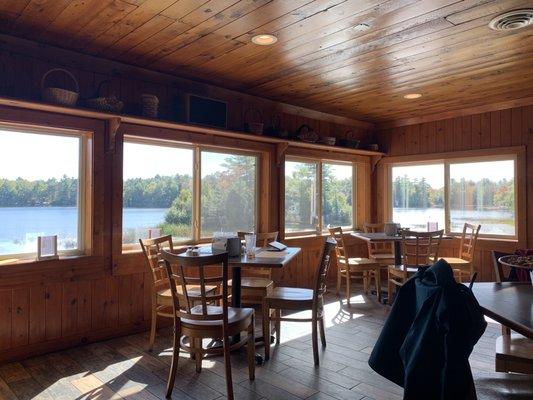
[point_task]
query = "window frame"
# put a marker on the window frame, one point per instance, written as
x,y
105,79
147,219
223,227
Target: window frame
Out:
x,y
516,154
319,225
196,184
84,194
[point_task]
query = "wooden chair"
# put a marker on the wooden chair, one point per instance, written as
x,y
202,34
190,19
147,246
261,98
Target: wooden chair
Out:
x,y
257,282
463,265
418,249
161,295
354,267
300,299
380,252
514,352
205,321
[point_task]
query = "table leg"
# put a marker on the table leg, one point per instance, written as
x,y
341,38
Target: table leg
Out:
x,y
397,253
236,294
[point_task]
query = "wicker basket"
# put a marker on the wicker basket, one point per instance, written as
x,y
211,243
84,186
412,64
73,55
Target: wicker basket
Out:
x,y
150,105
108,104
253,126
60,96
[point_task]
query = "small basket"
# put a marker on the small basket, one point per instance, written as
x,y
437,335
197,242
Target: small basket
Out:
x,y
253,127
306,134
60,96
106,104
150,105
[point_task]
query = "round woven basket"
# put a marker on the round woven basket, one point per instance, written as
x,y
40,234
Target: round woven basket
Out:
x,y
102,103
60,96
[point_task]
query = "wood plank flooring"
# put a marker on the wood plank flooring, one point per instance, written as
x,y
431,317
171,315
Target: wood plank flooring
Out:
x,y
123,369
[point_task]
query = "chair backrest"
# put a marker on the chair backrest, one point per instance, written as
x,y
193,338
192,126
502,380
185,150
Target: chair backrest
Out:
x,y
175,265
377,247
323,268
468,242
262,238
498,268
152,252
419,247
340,248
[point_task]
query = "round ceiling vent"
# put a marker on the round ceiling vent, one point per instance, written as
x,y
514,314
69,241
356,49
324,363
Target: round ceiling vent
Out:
x,y
512,20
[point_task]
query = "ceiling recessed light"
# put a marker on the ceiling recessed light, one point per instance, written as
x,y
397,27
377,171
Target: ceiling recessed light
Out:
x,y
412,96
361,27
264,39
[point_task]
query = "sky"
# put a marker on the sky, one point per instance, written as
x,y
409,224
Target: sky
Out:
x,y
434,173
36,156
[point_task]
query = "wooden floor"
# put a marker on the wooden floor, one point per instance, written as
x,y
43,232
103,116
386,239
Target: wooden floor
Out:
x,y
121,368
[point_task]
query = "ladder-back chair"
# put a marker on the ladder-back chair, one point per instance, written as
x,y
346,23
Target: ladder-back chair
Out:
x,y
349,268
206,321
161,296
463,265
300,299
380,252
418,249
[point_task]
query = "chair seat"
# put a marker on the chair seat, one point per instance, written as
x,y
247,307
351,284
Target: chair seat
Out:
x,y
236,316
514,353
290,298
398,270
384,256
164,297
456,261
254,283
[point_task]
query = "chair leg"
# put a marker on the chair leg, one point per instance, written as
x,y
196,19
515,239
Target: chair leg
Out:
x,y
389,287
153,328
314,334
174,363
322,331
198,354
266,329
278,326
377,280
250,348
348,279
339,278
227,367
366,281
506,330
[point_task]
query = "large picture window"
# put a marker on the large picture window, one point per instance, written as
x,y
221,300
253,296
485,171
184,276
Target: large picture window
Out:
x,y
318,195
190,193
480,191
42,197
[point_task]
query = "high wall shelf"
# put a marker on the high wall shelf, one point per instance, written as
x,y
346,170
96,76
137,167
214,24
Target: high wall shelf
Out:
x,y
156,123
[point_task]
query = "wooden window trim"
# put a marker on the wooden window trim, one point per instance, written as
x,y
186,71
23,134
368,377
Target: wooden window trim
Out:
x,y
517,153
84,192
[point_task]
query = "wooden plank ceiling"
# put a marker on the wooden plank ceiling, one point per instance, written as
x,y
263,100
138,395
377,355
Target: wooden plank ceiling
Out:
x,y
440,48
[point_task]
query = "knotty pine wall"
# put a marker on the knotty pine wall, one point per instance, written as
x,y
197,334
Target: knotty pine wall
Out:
x,y
488,130
50,305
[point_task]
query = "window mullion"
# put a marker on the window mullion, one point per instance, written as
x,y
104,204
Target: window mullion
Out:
x,y
196,194
319,198
446,197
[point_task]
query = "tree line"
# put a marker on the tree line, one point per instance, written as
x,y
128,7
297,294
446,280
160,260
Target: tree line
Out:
x,y
464,194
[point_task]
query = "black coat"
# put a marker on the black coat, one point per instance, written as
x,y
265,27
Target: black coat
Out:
x,y
429,335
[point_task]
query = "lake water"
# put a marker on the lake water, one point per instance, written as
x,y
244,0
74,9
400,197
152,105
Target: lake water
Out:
x,y
20,226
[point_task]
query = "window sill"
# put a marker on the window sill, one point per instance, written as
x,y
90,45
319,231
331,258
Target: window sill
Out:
x,y
26,261
314,234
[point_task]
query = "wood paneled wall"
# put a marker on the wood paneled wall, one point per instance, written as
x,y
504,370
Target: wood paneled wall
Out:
x,y
496,129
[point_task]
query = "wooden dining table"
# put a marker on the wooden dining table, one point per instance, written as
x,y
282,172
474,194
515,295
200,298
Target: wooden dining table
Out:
x,y
377,237
263,258
509,303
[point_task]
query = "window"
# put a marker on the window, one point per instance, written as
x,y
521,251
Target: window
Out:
x,y
44,196
157,191
318,195
228,193
480,191
483,193
418,195
163,191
